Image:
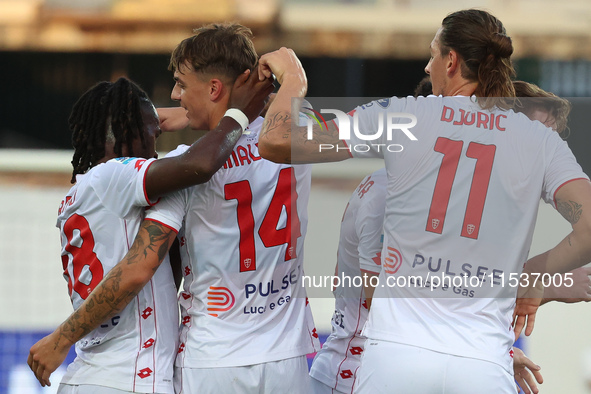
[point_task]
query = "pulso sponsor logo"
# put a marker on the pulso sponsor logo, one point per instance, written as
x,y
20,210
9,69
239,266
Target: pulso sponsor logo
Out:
x,y
274,292
219,299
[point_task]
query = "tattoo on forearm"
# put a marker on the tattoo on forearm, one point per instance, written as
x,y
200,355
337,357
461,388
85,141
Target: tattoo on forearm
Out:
x,y
107,298
570,210
277,120
282,122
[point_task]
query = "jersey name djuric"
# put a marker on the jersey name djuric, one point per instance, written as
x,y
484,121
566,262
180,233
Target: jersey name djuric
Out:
x,y
464,186
98,221
242,237
360,247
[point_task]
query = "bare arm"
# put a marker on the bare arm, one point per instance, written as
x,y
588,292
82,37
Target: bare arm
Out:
x,y
172,118
575,287
111,296
281,139
573,201
206,156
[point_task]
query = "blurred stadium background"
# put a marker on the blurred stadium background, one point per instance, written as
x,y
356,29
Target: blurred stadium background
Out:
x,y
51,51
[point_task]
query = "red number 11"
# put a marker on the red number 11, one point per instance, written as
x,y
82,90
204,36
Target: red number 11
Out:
x,y
452,150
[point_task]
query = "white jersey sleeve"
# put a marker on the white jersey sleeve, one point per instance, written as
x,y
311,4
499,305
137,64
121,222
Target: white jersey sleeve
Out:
x,y
378,128
562,168
369,222
117,193
98,221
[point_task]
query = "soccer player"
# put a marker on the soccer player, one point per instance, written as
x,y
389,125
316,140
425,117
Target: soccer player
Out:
x,y
114,127
245,326
462,199
335,365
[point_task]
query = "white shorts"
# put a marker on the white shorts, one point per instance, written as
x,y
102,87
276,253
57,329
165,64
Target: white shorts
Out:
x,y
388,367
317,387
88,389
275,377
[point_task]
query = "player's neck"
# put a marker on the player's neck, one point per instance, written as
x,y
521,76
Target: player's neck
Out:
x,y
218,113
460,87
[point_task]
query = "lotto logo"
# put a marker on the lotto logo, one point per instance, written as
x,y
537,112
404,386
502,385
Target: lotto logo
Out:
x,y
356,350
393,262
346,374
181,348
219,299
148,343
145,373
147,313
314,333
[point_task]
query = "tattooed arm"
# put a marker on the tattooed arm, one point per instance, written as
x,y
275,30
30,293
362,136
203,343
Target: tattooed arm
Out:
x,y
573,201
111,296
281,139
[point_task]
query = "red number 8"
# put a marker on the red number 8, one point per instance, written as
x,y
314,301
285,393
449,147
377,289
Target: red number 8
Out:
x,y
82,256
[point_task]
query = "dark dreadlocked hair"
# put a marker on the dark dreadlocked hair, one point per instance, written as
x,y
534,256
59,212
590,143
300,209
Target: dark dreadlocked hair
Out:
x,y
108,108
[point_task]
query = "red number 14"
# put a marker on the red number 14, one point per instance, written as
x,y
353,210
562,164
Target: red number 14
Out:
x,y
285,196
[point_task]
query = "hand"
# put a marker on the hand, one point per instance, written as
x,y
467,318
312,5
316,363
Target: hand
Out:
x,y
249,94
282,63
529,297
579,289
172,118
47,355
523,368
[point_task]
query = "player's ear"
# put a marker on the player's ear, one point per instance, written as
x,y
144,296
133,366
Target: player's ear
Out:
x,y
216,87
452,62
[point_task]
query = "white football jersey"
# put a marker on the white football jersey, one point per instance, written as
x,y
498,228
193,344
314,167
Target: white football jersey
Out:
x,y
242,237
360,247
462,202
98,221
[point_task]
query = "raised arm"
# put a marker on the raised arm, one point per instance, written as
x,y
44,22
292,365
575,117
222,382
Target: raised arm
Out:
x,y
172,118
206,156
111,296
281,139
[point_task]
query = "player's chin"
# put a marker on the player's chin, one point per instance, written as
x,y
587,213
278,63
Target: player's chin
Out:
x,y
195,124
